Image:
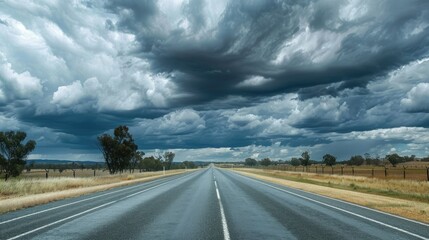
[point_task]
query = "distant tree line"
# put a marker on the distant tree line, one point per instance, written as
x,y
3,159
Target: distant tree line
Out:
x,y
330,160
60,167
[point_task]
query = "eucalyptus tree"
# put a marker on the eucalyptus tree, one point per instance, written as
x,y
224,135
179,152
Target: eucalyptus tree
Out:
x,y
13,152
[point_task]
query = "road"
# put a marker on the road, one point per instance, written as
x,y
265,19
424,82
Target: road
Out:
x,y
210,203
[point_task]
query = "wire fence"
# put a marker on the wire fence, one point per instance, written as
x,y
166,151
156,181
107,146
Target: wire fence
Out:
x,y
418,173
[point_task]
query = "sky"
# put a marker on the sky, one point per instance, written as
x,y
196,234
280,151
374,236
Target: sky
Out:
x,y
217,80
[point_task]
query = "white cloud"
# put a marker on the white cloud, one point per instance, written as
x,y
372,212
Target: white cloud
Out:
x,y
254,81
15,85
69,95
322,110
9,123
243,121
179,122
417,99
28,51
409,134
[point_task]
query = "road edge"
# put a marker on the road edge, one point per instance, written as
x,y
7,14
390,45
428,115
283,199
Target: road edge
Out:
x,y
333,193
17,203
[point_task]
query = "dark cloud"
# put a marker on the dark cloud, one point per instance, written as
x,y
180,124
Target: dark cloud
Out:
x,y
250,34
232,78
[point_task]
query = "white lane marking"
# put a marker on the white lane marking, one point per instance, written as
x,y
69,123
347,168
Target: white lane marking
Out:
x,y
340,209
217,191
145,190
222,214
61,220
356,205
367,208
79,201
91,209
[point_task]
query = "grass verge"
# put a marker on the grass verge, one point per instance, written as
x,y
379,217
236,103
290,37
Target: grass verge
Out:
x,y
404,198
23,193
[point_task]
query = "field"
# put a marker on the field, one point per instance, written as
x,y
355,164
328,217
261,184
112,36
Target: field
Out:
x,y
406,189
410,171
41,173
402,197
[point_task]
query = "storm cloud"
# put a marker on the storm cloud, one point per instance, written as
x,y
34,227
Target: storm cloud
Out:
x,y
218,80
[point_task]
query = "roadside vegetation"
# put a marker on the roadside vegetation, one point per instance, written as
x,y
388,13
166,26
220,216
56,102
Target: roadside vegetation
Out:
x,y
404,189
395,184
26,192
392,166
13,152
119,150
29,183
36,185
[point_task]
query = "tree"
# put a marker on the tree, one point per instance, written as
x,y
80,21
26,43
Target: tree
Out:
x,y
368,159
329,160
305,160
119,150
168,159
189,164
13,152
137,157
250,162
394,159
150,164
358,160
265,162
295,162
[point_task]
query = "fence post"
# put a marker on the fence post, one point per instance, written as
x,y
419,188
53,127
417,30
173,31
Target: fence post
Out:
x,y
94,172
342,170
323,169
404,172
372,172
302,168
353,171
332,169
385,171
427,173
316,169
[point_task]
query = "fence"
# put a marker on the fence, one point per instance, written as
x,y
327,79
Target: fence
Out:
x,y
399,172
40,173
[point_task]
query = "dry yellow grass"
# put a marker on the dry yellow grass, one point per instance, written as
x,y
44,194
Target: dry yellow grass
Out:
x,y
418,210
22,193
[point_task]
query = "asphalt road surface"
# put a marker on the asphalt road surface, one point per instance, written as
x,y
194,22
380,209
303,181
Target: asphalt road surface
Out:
x,y
205,204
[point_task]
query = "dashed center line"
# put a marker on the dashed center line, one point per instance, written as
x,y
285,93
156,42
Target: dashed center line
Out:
x,y
222,213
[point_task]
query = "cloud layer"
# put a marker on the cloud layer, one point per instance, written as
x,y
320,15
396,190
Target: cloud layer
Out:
x,y
218,80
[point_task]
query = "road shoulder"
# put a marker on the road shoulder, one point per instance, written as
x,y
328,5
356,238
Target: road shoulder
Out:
x,y
405,208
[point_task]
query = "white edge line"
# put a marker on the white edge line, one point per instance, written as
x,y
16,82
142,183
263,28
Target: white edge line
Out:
x,y
222,214
89,210
340,209
79,201
349,203
65,205
61,220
